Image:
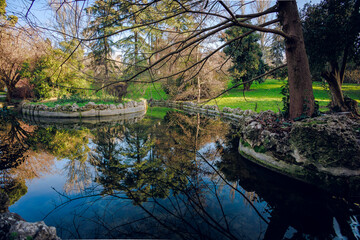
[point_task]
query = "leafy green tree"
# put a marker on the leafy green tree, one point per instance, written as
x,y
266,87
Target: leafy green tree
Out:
x,y
4,18
245,55
331,33
51,77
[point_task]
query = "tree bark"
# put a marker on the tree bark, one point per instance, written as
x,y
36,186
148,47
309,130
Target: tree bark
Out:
x,y
10,91
334,80
247,86
300,84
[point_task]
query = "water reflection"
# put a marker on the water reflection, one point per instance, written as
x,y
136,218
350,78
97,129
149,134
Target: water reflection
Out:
x,y
179,177
293,206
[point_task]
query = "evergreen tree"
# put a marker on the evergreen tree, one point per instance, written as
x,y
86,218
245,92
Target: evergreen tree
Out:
x,y
246,56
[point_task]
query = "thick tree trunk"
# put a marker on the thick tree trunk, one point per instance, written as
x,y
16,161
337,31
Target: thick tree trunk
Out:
x,y
300,84
339,103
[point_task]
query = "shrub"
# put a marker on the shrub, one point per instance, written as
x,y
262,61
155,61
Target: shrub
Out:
x,y
352,76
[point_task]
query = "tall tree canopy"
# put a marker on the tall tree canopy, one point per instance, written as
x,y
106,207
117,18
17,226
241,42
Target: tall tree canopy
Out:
x,y
160,16
332,36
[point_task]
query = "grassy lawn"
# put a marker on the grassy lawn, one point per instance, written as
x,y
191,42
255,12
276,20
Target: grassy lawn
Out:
x,y
263,96
266,96
146,91
158,112
80,101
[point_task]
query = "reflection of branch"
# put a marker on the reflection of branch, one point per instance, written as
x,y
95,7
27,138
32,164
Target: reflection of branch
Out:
x,y
248,200
69,200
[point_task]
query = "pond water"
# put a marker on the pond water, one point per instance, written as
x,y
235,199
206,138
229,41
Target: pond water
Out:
x,y
165,175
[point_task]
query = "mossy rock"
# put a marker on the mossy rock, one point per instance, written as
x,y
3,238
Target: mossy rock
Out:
x,y
329,141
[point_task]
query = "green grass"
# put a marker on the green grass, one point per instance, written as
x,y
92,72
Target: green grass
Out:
x,y
80,104
263,96
266,96
2,93
80,101
158,112
146,91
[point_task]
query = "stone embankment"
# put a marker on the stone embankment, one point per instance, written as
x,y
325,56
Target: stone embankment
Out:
x,y
14,227
89,122
324,151
89,110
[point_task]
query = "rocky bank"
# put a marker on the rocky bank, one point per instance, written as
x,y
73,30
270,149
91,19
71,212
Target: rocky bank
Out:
x,y
14,227
323,151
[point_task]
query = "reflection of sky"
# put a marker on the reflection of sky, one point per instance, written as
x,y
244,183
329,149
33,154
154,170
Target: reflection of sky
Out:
x,y
42,198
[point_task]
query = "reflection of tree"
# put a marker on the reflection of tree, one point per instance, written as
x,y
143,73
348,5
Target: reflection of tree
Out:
x,y
155,165
290,203
71,144
148,159
179,136
16,163
66,143
15,189
106,157
125,162
13,141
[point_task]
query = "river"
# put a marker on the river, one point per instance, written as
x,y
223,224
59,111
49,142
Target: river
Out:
x,y
165,175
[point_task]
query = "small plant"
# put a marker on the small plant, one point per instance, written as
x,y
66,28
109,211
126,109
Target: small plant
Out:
x,y
13,235
285,99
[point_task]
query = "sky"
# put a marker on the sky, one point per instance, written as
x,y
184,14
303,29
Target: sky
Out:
x,y
41,13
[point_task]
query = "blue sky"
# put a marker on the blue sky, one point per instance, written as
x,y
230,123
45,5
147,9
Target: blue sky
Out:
x,y
41,13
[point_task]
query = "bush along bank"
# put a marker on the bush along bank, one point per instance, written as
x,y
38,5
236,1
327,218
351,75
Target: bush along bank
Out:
x,y
89,110
323,151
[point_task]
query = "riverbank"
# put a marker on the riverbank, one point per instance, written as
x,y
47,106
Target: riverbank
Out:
x,y
14,227
323,151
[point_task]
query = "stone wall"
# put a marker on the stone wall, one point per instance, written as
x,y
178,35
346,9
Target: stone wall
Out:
x,y
89,110
89,122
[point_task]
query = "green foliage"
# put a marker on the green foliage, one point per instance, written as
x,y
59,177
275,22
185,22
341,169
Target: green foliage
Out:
x,y
71,144
15,190
285,99
103,24
13,235
79,100
331,28
2,7
8,19
245,54
51,78
280,74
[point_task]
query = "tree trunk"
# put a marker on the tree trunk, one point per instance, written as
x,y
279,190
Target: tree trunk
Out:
x,y
337,98
300,84
247,86
339,103
10,91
